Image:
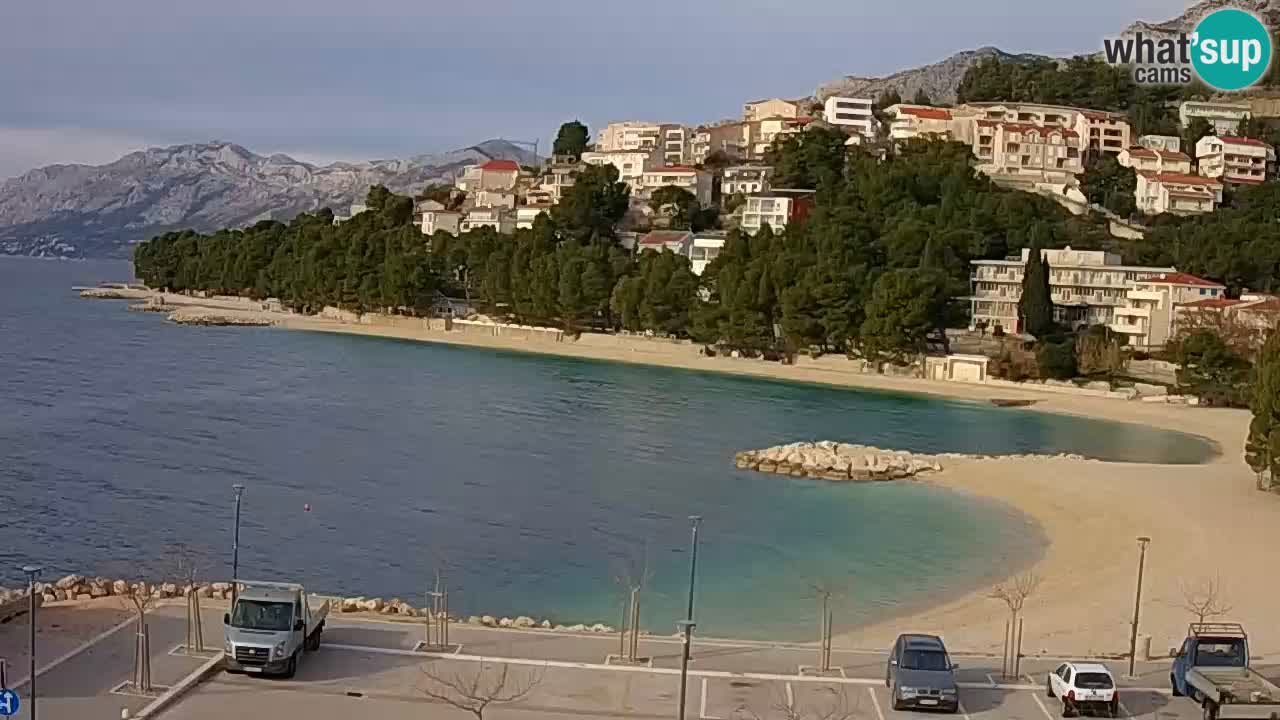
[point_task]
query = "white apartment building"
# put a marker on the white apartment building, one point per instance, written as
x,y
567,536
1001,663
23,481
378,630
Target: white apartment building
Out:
x,y
694,180
677,143
775,208
704,248
1176,193
919,121
762,134
1155,160
773,107
1257,314
631,164
1172,143
1225,117
629,135
492,198
1148,317
1104,131
745,179
1087,286
500,219
433,221
677,241
1044,152
492,175
557,178
1235,159
729,138
526,214
852,114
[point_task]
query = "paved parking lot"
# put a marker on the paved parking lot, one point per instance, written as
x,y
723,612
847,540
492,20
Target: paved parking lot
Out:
x,y
371,670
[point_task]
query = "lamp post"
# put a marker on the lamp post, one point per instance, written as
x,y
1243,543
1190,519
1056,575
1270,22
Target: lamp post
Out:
x,y
1137,603
687,625
32,571
235,548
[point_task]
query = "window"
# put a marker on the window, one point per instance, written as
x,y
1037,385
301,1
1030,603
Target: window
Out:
x,y
1093,681
928,660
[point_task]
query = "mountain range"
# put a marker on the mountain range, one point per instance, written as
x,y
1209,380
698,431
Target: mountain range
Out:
x,y
102,210
88,211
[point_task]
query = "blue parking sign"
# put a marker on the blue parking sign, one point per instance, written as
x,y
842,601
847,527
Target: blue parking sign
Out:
x,y
9,703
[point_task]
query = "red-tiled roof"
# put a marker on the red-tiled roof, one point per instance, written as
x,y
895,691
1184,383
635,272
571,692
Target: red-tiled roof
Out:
x,y
1211,304
1028,127
1270,305
800,120
1139,151
926,113
1181,179
1234,140
1246,181
664,237
501,165
672,168
1180,278
1193,194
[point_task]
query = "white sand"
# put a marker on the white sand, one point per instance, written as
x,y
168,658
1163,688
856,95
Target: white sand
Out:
x,y
1205,521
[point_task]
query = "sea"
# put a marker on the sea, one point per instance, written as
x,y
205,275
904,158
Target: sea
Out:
x,y
526,484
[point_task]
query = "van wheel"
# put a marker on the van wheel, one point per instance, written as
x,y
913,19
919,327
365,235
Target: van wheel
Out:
x,y
1210,710
292,668
897,704
1173,686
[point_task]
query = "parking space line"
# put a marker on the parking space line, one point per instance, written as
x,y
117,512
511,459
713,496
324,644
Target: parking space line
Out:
x,y
791,697
1029,678
991,680
1123,709
1043,709
875,702
702,707
963,712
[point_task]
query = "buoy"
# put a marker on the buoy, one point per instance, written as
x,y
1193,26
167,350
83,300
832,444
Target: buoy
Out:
x,y
307,507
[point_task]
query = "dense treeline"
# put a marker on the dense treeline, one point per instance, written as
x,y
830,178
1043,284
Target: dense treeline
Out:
x,y
875,268
1238,245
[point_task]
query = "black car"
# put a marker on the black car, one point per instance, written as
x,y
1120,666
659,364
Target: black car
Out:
x,y
920,674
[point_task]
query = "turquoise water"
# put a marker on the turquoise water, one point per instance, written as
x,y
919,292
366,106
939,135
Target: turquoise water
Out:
x,y
533,480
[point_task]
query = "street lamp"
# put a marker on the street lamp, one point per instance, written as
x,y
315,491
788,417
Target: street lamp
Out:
x,y
235,548
32,571
687,625
1137,604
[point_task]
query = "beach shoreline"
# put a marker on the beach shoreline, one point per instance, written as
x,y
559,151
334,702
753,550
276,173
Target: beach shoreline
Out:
x,y
1090,511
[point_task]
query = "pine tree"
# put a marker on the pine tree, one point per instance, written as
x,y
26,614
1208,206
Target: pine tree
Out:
x,y
1035,307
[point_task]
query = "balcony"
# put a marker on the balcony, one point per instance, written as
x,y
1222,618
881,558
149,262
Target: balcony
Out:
x,y
1129,311
1127,329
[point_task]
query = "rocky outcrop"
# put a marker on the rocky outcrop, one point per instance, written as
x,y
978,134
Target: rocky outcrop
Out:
x,y
837,461
101,211
212,317
939,80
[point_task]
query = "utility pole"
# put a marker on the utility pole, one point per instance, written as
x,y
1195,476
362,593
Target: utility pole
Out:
x,y
1137,604
687,625
235,549
32,571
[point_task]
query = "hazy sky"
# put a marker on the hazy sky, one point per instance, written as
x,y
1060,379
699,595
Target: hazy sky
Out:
x,y
87,80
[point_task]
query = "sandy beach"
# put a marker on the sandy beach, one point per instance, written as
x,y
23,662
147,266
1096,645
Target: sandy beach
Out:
x,y
1205,521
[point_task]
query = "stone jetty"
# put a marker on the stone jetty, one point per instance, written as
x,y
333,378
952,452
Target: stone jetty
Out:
x,y
209,316
837,461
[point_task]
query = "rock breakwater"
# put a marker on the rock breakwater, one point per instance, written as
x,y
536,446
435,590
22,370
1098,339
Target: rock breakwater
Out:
x,y
208,316
837,461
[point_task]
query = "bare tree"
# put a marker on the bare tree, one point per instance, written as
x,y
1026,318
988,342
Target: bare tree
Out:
x,y
1204,599
476,689
139,597
631,577
187,567
1014,593
833,704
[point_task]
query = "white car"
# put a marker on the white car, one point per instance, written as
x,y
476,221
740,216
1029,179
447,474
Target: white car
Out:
x,y
1084,686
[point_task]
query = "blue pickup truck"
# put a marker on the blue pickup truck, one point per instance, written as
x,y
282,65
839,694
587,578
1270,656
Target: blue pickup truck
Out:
x,y
1212,668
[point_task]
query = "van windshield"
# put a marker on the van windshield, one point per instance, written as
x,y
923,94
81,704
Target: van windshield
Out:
x,y
925,660
1220,652
262,615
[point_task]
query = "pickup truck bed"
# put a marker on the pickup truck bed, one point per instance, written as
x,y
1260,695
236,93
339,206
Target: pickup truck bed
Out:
x,y
1236,692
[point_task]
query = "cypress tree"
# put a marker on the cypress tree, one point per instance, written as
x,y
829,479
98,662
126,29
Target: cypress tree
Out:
x,y
1035,307
1262,445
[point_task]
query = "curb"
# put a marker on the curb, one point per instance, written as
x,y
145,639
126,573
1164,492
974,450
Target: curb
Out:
x,y
183,686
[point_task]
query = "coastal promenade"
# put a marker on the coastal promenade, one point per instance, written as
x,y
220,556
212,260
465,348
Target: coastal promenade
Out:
x,y
371,668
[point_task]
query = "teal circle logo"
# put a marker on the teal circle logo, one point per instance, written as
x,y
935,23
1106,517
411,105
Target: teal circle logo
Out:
x,y
1231,49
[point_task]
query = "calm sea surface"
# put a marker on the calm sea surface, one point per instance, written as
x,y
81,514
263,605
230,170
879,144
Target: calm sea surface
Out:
x,y
535,481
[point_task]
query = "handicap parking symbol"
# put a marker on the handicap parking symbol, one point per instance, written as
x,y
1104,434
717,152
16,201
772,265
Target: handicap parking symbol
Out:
x,y
9,703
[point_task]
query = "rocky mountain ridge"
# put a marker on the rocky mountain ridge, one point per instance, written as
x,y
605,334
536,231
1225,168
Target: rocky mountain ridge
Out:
x,y
940,80
102,210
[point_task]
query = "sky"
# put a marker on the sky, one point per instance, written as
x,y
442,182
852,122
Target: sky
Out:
x,y
322,80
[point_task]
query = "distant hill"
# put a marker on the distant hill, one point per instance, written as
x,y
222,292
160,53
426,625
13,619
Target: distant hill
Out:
x,y
102,210
938,80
